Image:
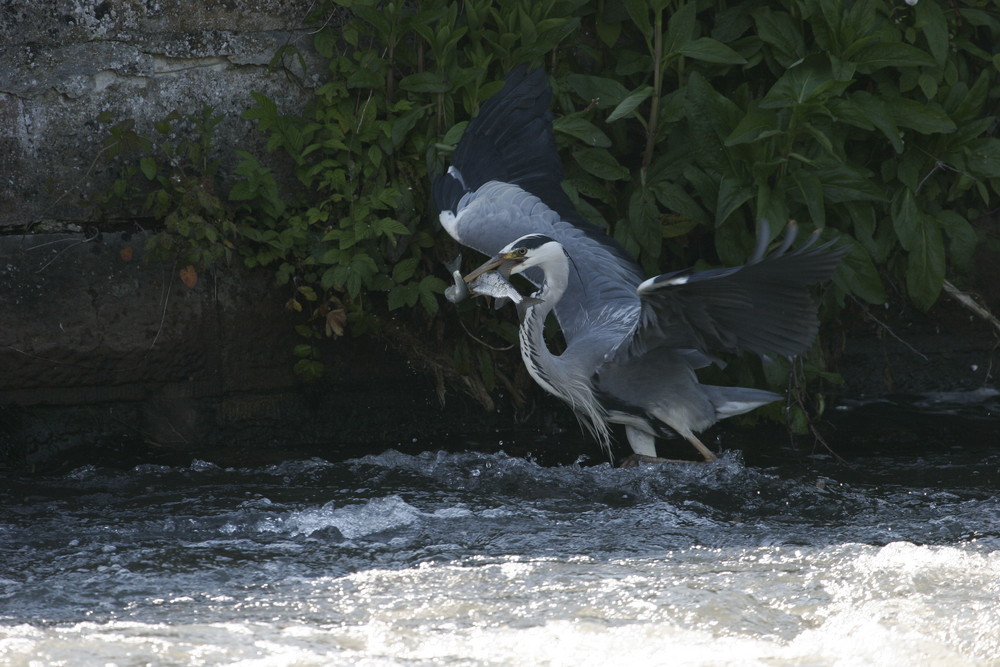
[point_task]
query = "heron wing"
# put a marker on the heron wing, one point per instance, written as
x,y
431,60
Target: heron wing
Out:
x,y
763,306
506,181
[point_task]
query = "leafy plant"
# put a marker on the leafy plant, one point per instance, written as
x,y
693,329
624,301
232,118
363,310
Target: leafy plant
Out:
x,y
173,179
681,124
357,226
868,117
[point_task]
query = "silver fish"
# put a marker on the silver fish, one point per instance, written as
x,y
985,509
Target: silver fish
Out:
x,y
495,285
492,284
460,290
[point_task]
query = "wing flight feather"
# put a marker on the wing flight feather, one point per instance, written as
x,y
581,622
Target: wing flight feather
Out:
x,y
505,181
763,306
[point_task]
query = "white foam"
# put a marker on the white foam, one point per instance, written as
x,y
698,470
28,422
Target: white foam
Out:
x,y
839,605
353,521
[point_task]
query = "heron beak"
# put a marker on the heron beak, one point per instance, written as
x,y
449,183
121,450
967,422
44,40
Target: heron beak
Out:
x,y
502,263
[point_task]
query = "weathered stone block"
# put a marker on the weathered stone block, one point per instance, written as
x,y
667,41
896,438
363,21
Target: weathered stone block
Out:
x,y
64,62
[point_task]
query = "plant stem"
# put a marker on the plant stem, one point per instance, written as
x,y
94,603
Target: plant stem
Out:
x,y
654,109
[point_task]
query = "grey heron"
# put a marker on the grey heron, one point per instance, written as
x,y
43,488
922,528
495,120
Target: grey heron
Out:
x,y
632,345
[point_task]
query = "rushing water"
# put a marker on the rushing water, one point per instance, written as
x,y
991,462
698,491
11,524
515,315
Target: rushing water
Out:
x,y
485,559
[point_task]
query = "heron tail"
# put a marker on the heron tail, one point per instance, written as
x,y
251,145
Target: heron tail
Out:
x,y
732,401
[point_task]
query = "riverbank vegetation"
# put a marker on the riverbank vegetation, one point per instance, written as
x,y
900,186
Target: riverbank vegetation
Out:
x,y
680,124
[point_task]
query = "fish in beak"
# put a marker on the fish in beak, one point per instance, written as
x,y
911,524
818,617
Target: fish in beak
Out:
x,y
502,264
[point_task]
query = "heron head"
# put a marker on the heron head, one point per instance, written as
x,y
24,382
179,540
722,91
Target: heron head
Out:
x,y
521,254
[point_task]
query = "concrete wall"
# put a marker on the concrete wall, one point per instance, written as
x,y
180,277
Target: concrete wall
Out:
x,y
63,62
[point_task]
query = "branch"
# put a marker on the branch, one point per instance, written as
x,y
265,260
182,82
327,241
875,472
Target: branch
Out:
x,y
968,302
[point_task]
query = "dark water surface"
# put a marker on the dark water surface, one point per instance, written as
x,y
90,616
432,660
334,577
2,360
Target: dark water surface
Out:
x,y
485,559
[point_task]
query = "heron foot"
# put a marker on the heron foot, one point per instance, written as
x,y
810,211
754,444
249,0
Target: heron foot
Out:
x,y
633,461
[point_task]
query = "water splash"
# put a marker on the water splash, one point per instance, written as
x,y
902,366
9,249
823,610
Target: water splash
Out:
x,y
487,559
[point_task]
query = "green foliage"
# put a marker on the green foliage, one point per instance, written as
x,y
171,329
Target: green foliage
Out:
x,y
867,117
680,123
355,224
172,178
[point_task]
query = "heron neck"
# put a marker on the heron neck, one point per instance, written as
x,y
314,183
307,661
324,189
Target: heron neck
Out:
x,y
540,362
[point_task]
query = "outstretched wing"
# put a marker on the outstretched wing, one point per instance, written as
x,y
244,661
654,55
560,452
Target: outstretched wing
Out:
x,y
763,306
505,181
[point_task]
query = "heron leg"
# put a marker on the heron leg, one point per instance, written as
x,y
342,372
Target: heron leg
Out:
x,y
641,442
700,446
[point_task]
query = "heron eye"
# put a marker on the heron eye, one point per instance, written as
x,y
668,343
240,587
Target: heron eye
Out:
x,y
521,252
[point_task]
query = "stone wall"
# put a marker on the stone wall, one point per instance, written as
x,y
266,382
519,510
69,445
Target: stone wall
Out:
x,y
64,62
102,350
107,356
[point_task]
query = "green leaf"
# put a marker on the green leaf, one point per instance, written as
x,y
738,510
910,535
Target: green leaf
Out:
x,y
925,263
401,126
674,198
859,275
390,227
638,11
961,237
582,129
453,135
679,228
424,82
924,118
680,28
644,220
771,205
404,269
325,43
711,117
906,219
800,85
874,110
965,104
712,51
309,369
755,125
607,92
731,243
432,285
821,137
983,157
608,32
844,183
402,295
628,105
811,189
732,195
778,29
881,54
427,289
149,167
329,278
600,163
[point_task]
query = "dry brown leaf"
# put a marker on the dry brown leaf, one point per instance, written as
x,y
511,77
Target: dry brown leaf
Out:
x,y
189,276
336,320
126,253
